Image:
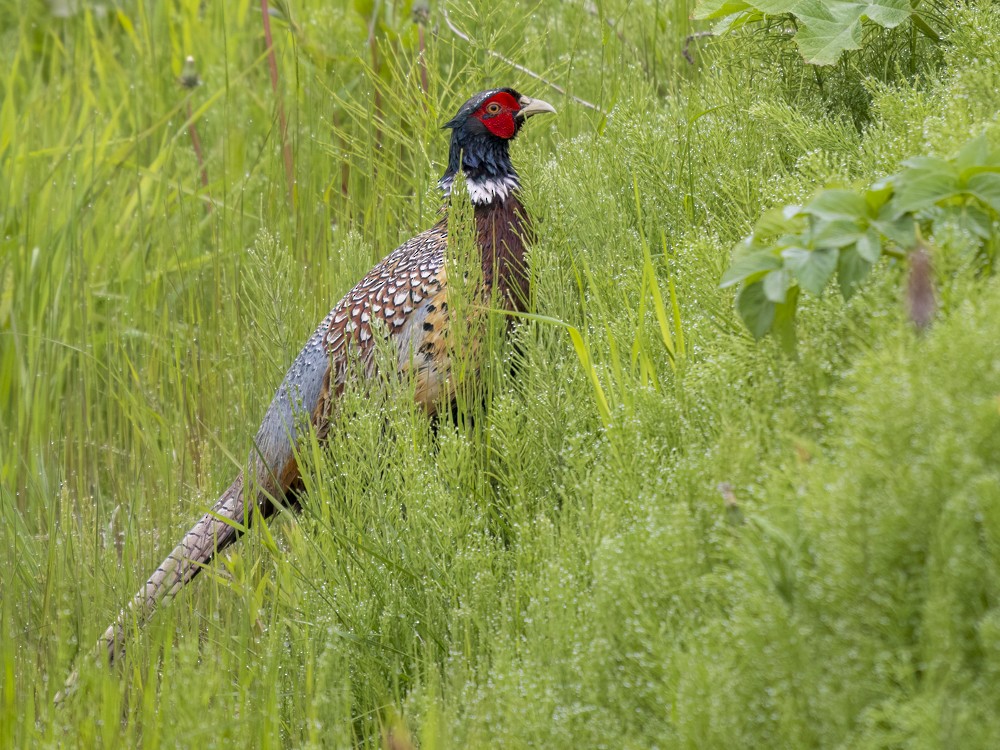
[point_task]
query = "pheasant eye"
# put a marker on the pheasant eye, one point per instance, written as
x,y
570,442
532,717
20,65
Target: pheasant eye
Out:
x,y
493,108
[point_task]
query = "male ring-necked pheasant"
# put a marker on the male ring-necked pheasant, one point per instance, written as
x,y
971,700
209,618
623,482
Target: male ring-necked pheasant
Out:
x,y
407,293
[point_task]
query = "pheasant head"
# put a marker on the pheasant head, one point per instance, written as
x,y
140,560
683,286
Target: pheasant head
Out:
x,y
480,141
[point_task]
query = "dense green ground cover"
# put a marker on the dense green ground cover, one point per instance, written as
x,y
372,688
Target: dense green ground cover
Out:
x,y
744,547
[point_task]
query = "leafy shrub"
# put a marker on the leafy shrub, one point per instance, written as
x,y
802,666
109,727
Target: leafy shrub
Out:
x,y
823,29
845,232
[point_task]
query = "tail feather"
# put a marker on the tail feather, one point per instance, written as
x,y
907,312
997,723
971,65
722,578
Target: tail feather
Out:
x,y
208,536
200,544
303,396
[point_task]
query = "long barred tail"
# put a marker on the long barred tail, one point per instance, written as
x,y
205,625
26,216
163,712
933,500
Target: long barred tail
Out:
x,y
303,396
200,544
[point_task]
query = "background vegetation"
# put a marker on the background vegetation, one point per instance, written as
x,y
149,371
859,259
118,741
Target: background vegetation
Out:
x,y
659,533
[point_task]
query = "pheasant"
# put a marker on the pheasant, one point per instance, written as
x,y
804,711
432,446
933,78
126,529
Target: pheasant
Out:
x,y
403,299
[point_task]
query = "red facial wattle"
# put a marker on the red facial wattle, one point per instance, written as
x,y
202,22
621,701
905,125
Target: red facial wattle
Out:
x,y
501,125
497,114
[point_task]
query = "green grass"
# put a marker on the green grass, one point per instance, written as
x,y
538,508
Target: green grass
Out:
x,y
561,569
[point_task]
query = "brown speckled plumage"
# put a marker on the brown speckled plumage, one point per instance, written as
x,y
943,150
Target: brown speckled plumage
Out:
x,y
405,299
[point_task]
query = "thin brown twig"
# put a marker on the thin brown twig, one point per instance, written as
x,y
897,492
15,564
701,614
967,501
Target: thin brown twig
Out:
x,y
517,66
190,80
196,145
421,14
423,61
687,43
920,296
373,48
272,64
345,164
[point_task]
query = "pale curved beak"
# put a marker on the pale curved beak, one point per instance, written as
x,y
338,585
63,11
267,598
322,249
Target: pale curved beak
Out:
x,y
531,107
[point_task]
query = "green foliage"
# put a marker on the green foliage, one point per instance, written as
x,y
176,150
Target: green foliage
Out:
x,y
824,29
846,232
733,549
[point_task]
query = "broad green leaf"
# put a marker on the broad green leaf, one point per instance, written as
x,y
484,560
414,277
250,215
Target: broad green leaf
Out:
x,y
838,204
924,183
735,21
755,309
836,233
975,153
830,28
711,9
888,13
900,230
879,193
931,164
776,285
784,320
851,271
969,216
801,239
975,219
812,268
777,221
827,27
748,265
986,187
775,7
869,245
